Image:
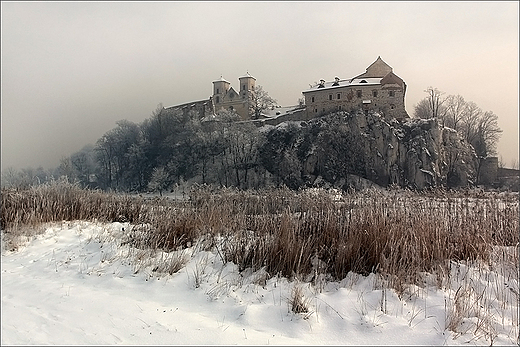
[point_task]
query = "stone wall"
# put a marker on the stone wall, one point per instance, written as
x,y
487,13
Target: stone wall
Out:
x,y
327,100
202,107
488,171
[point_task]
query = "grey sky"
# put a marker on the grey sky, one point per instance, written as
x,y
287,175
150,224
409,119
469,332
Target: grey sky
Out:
x,y
70,70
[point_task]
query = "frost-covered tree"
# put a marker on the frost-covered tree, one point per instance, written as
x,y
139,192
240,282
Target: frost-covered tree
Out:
x,y
422,109
477,127
159,181
431,106
259,102
455,111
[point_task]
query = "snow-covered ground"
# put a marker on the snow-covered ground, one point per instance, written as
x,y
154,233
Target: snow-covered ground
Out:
x,y
75,284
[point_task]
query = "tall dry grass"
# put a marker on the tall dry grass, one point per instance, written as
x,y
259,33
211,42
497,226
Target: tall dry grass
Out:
x,y
399,234
57,201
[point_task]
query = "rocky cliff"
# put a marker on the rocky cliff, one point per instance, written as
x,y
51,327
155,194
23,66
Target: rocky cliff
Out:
x,y
358,149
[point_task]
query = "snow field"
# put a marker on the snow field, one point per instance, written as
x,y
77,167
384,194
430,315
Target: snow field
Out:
x,y
76,284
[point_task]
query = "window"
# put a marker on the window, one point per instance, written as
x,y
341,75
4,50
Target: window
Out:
x,y
374,93
330,96
338,96
218,91
218,99
363,81
315,110
359,93
391,93
243,87
392,106
312,99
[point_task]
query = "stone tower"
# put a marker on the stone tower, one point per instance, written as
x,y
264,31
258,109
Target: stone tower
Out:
x,y
225,97
247,84
220,89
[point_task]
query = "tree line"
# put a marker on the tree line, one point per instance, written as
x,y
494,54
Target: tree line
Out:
x,y
480,128
172,147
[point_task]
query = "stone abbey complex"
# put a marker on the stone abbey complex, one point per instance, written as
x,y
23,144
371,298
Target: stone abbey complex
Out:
x,y
377,89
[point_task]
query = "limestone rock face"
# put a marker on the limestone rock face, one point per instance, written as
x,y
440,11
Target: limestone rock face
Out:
x,y
359,149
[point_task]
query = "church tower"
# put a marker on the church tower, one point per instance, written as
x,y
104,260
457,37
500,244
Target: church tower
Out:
x,y
247,84
220,88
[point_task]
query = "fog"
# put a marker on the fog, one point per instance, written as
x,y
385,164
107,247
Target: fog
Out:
x,y
70,70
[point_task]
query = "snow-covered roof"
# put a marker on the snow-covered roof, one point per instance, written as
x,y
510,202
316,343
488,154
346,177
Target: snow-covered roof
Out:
x,y
365,81
279,111
345,83
221,80
247,75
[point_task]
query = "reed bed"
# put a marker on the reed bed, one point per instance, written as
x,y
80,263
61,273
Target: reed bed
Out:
x,y
398,234
58,201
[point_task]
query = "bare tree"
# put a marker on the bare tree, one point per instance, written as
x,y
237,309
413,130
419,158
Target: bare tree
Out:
x,y
431,106
435,102
83,163
422,109
159,180
455,111
66,169
469,127
112,149
259,102
488,134
14,179
479,128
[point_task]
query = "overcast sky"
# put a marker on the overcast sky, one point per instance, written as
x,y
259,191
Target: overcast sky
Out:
x,y
70,70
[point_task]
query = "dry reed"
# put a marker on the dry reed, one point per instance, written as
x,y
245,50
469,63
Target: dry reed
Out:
x,y
399,234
